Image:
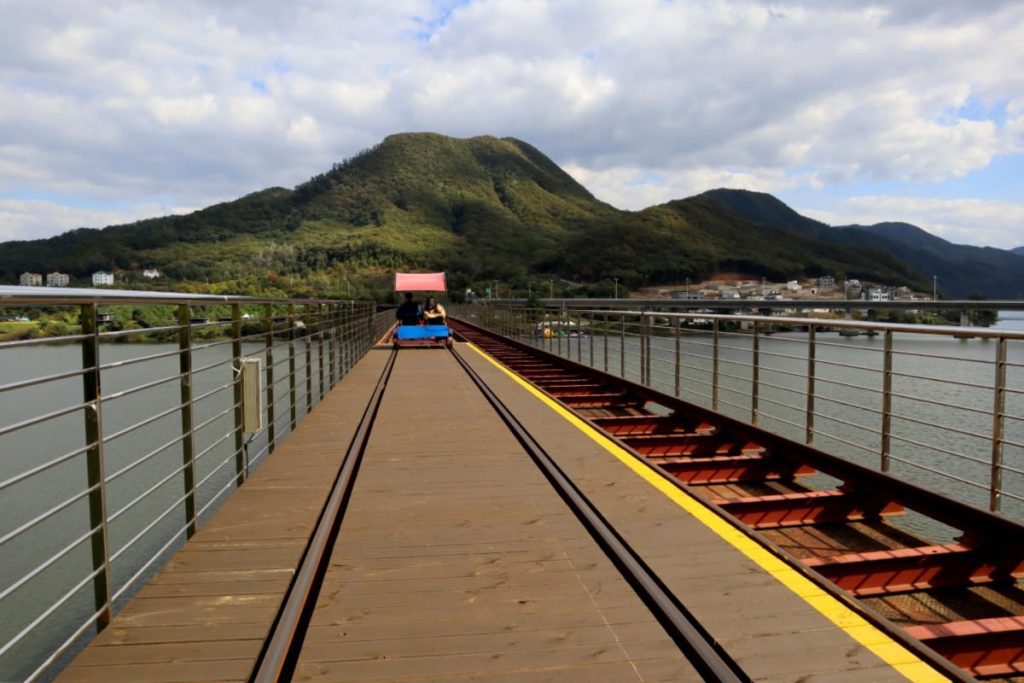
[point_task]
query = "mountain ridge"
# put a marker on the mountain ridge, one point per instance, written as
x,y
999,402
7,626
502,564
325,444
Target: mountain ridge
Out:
x,y
483,208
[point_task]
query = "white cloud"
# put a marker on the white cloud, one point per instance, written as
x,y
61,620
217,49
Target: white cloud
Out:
x,y
961,221
647,100
23,219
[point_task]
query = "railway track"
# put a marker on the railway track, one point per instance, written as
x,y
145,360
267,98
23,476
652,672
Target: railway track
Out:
x,y
957,601
282,648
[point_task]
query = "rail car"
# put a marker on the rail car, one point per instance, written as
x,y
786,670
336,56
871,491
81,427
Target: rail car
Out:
x,y
420,335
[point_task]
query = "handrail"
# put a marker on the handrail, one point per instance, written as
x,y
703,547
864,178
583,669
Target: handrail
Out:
x,y
198,461
959,391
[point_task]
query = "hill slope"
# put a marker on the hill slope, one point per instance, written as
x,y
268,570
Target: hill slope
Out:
x,y
481,208
962,270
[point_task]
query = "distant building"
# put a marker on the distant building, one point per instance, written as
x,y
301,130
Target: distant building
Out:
x,y
151,273
879,294
826,282
31,280
687,296
56,279
793,286
728,293
101,277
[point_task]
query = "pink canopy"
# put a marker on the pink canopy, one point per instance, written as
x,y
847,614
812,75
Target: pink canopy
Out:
x,y
420,282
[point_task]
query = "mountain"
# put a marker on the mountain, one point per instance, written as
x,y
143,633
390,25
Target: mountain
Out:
x,y
481,208
1018,250
962,270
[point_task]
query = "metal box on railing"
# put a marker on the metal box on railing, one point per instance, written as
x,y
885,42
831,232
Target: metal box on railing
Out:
x,y
251,371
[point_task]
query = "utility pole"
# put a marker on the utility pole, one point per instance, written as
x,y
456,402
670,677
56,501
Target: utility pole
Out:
x,y
551,288
935,287
616,287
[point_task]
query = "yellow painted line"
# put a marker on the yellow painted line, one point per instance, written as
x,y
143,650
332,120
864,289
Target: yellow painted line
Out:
x,y
893,653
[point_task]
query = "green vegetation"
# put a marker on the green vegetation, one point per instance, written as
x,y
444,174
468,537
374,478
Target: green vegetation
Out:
x,y
482,209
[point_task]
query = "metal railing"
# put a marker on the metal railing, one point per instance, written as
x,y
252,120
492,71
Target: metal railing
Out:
x,y
942,406
120,435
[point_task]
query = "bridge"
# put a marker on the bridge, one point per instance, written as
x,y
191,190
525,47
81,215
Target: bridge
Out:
x,y
603,496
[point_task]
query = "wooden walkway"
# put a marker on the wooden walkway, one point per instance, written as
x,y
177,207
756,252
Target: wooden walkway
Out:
x,y
456,560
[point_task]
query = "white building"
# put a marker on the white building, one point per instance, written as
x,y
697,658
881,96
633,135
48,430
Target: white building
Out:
x,y
101,277
793,286
151,273
30,280
57,279
879,294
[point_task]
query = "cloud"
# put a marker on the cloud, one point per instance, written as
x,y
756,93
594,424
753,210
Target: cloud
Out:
x,y
646,100
23,219
961,221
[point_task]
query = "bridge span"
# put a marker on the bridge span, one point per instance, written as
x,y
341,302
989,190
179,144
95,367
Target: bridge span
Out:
x,y
505,510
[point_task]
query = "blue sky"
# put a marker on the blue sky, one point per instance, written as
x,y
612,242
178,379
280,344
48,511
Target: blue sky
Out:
x,y
848,110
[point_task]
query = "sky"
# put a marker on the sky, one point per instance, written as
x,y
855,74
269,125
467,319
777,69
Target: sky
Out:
x,y
850,111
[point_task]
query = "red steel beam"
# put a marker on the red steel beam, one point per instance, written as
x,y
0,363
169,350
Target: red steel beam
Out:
x,y
804,508
733,468
697,446
984,648
882,572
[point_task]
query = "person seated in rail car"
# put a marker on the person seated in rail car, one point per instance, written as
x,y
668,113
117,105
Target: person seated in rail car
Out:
x,y
409,312
434,313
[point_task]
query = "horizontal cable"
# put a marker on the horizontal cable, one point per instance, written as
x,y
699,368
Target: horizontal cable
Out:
x,y
49,611
135,463
848,423
43,418
957,359
142,387
48,662
940,473
799,409
945,428
940,404
41,380
818,432
149,527
28,474
138,425
49,562
132,503
139,359
938,449
848,385
942,380
41,341
142,570
14,533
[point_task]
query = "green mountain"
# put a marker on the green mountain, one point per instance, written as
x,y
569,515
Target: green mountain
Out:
x,y
482,209
962,270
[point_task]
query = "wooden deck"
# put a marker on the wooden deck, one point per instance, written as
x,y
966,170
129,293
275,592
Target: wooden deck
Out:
x,y
457,561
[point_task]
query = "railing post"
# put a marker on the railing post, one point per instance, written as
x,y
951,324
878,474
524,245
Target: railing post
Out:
x,y
92,395
579,338
998,422
622,346
187,416
590,336
241,466
332,342
605,331
291,367
308,341
714,364
809,416
755,374
886,401
320,331
561,329
679,356
268,325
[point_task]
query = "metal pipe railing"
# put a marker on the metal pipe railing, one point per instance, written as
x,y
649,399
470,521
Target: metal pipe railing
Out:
x,y
905,389
176,404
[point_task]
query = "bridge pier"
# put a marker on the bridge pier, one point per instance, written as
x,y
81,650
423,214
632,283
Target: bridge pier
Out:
x,y
965,318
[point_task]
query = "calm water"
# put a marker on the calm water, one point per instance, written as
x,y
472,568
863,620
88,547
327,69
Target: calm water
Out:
x,y
848,404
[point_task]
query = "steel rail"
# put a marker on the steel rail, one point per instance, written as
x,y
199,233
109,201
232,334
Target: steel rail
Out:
x,y
281,649
708,657
956,514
